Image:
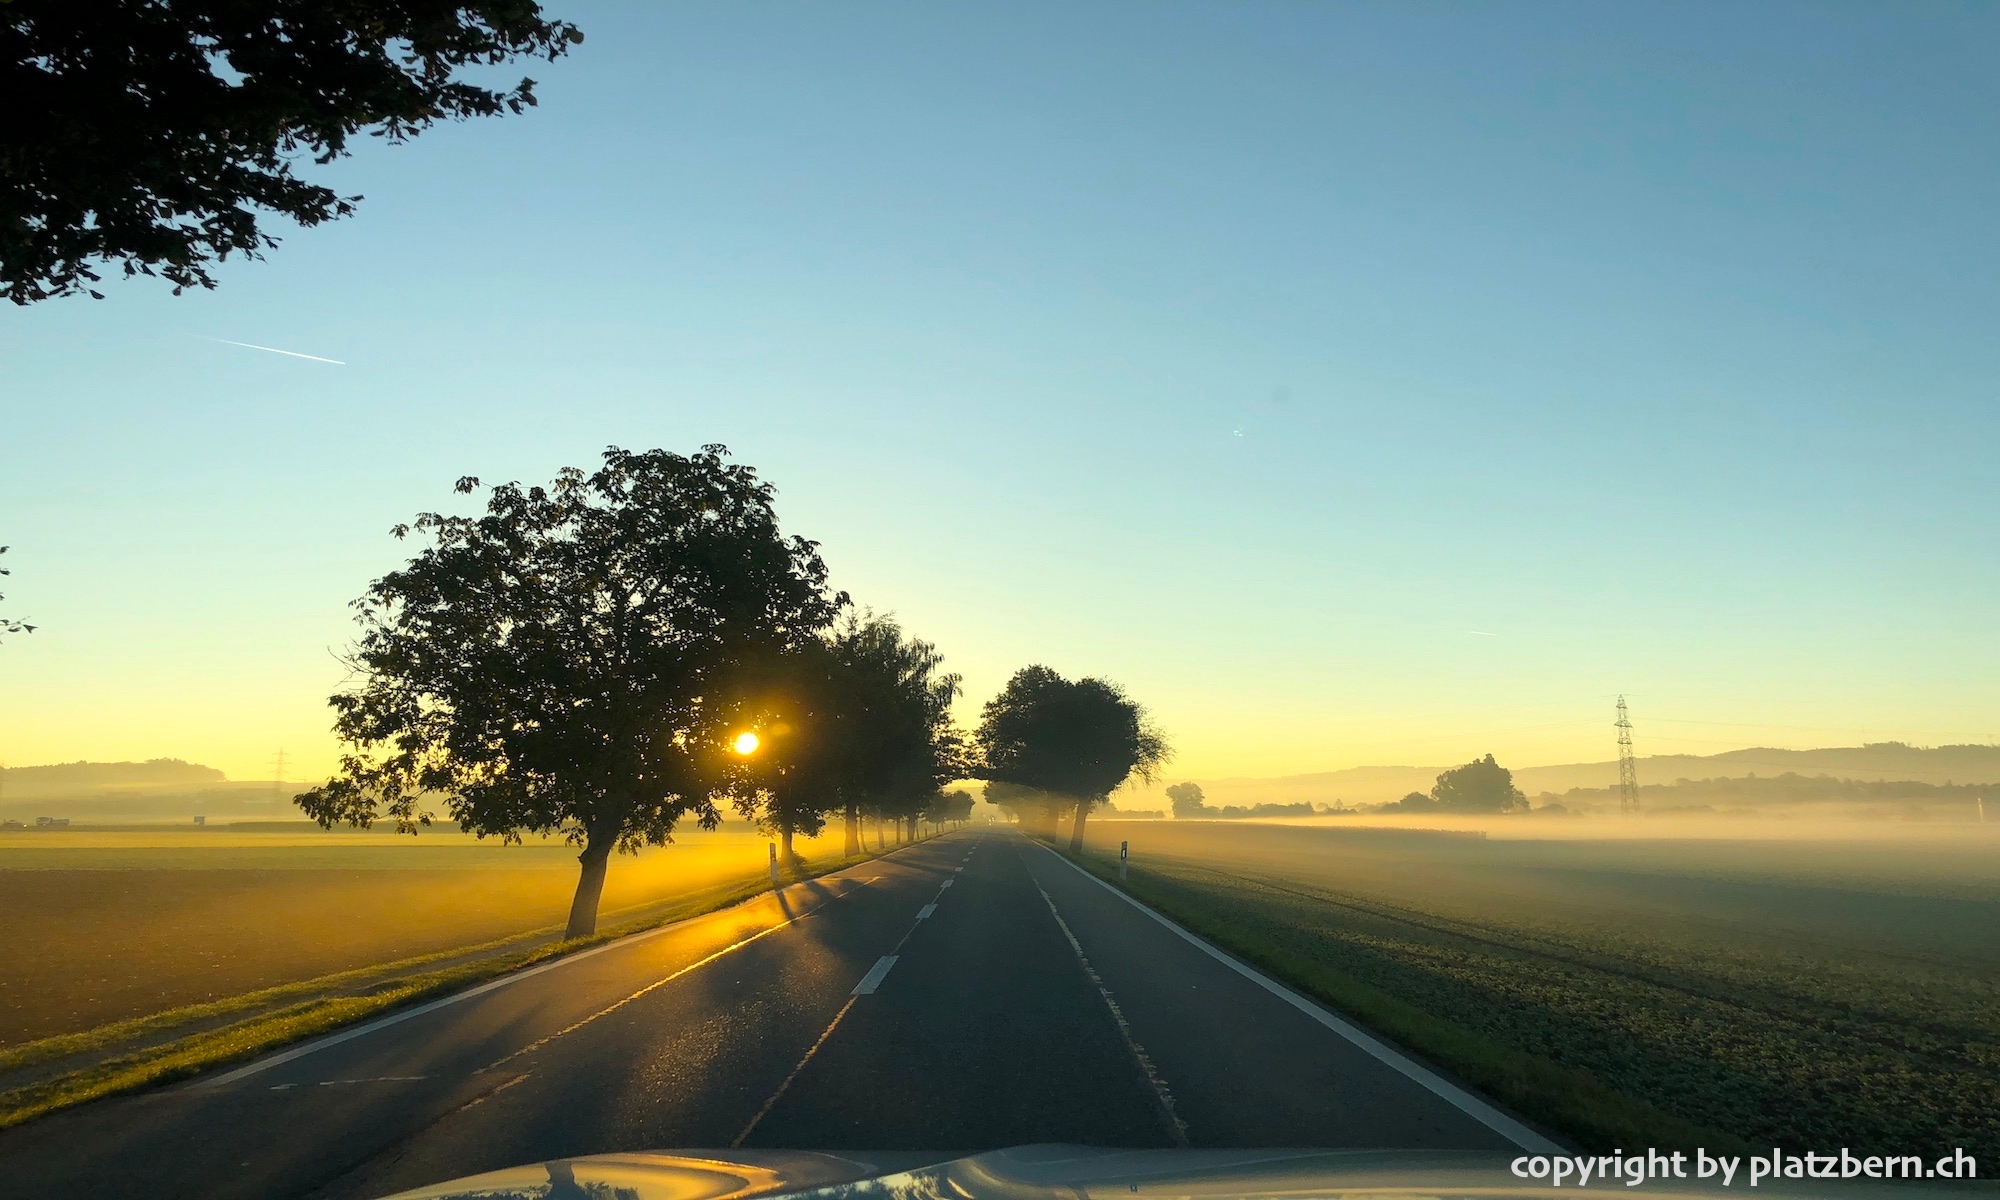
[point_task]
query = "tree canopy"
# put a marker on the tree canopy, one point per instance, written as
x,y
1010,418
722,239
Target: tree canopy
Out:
x,y
949,807
556,665
155,136
1077,740
907,746
859,720
1187,799
1481,785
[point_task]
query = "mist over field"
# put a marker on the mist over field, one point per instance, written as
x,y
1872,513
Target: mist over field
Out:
x,y
106,926
1883,781
1623,975
1839,988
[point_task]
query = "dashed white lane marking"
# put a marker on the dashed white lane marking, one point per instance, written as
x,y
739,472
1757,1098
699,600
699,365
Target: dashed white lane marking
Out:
x,y
615,1005
926,911
1161,1093
873,979
786,1086
956,870
485,1096
947,883
866,987
512,977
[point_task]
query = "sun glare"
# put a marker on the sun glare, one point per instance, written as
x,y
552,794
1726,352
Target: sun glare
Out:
x,y
745,743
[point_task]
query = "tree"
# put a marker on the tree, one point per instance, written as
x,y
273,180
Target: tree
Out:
x,y
553,666
1481,785
1187,800
793,707
906,746
1034,808
953,807
153,134
1078,740
859,719
9,624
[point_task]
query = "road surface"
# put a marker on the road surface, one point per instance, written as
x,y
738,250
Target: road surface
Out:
x,y
970,992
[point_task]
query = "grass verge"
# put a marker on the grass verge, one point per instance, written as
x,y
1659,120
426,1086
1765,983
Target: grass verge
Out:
x,y
1569,1101
315,1012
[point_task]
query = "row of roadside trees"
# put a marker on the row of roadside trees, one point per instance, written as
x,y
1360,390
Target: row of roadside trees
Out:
x,y
625,650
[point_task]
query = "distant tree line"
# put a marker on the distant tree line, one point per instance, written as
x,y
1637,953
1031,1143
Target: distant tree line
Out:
x,y
621,651
1189,804
1480,786
1788,788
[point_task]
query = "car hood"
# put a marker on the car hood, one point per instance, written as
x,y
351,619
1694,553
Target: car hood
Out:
x,y
1033,1173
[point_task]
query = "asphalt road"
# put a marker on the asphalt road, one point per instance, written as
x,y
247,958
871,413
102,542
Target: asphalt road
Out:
x,y
967,993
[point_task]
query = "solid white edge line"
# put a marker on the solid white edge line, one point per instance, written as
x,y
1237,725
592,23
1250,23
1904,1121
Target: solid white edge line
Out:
x,y
1452,1094
500,981
873,979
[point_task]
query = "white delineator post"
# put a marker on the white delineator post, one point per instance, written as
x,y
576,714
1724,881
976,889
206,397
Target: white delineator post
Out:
x,y
1124,852
773,847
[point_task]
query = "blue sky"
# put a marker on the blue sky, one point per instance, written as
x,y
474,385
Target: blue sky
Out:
x,y
1255,355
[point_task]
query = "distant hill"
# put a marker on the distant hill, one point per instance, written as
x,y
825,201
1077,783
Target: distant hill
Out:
x,y
1877,762
163,789
1908,799
70,779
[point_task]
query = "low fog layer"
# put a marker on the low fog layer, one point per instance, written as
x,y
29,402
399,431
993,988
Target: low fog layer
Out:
x,y
1888,781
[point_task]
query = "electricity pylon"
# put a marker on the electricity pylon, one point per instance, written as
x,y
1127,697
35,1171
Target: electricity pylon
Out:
x,y
1628,767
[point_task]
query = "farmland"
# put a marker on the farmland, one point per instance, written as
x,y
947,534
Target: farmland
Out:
x,y
1803,993
105,926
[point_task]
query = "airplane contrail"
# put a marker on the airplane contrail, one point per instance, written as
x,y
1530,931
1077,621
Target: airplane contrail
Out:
x,y
274,350
1482,633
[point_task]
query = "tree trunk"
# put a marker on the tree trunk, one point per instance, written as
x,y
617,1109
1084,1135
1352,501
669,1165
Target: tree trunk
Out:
x,y
589,886
785,854
1076,835
853,831
879,844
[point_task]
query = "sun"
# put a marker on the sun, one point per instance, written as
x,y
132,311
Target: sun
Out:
x,y
745,743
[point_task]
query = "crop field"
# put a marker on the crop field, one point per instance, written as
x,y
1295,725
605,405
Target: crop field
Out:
x,y
106,926
1811,994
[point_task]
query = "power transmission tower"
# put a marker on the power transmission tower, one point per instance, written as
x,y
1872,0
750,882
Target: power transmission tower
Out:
x,y
278,776
1628,767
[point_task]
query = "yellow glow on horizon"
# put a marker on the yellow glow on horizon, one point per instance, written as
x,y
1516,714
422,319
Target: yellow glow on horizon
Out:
x,y
745,743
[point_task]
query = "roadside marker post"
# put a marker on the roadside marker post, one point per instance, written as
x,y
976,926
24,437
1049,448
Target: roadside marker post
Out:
x,y
773,848
1124,852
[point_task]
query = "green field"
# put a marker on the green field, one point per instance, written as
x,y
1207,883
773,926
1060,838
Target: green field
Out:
x,y
103,927
1808,994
